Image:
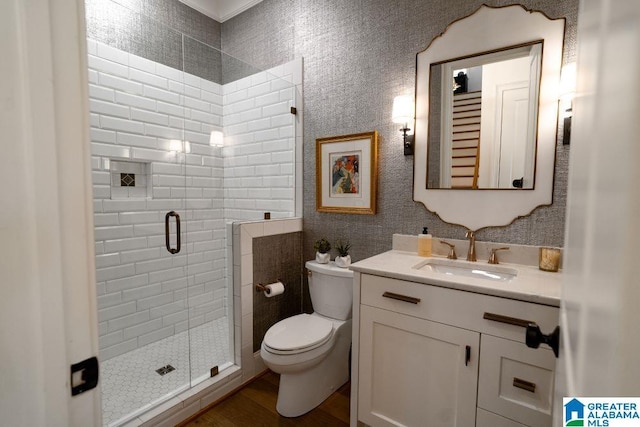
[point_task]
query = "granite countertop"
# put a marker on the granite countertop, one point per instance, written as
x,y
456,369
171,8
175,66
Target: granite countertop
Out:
x,y
530,284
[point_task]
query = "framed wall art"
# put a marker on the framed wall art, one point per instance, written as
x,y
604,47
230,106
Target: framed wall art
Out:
x,y
347,173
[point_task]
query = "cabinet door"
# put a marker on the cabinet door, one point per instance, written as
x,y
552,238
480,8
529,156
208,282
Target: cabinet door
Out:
x,y
415,372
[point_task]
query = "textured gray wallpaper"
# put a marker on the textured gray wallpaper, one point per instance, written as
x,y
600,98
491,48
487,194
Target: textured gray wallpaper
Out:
x,y
153,29
358,55
276,257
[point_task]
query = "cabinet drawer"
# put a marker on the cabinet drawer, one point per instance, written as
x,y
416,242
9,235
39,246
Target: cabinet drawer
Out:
x,y
489,419
458,308
516,381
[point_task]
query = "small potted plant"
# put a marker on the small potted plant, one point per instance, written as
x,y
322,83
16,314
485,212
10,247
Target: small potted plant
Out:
x,y
322,248
343,259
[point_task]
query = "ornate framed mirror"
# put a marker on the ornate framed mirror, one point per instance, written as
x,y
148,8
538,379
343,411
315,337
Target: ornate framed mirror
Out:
x,y
486,116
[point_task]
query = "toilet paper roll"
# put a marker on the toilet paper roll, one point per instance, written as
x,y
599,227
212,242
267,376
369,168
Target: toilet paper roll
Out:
x,y
273,289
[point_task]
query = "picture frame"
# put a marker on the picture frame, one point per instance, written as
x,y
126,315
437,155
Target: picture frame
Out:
x,y
347,173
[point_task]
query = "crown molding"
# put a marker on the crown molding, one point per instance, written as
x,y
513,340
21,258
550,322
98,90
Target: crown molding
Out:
x,y
221,10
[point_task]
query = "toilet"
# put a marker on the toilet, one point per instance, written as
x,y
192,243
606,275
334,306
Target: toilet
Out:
x,y
311,351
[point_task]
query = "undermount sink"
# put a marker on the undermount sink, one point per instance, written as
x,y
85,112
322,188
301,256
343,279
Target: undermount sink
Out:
x,y
468,269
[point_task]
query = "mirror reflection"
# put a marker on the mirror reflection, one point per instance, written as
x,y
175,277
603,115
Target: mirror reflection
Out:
x,y
483,120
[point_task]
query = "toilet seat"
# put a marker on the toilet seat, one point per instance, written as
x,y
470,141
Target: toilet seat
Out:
x,y
298,334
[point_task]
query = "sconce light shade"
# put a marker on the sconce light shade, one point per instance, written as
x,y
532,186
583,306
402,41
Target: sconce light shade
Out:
x,y
402,109
568,82
216,139
178,146
175,145
567,92
403,113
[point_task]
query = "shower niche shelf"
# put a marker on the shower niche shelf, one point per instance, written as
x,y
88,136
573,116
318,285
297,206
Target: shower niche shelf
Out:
x,y
130,180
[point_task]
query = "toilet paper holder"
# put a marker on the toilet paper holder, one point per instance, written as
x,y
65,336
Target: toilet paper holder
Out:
x,y
262,288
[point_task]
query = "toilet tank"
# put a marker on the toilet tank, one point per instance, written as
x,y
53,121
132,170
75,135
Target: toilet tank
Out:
x,y
331,289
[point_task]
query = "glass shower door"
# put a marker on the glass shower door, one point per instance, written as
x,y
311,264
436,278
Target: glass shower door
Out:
x,y
139,158
210,339
151,178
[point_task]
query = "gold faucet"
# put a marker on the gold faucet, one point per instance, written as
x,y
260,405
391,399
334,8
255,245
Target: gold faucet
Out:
x,y
452,250
493,258
471,255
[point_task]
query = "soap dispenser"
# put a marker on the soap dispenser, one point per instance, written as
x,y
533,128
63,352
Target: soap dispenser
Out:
x,y
424,243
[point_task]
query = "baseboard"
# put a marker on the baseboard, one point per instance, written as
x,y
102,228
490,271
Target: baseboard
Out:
x,y
259,368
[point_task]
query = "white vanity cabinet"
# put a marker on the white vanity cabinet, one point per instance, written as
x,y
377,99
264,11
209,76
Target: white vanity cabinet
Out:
x,y
413,371
434,356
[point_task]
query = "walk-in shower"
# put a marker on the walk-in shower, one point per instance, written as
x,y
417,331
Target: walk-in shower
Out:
x,y
185,139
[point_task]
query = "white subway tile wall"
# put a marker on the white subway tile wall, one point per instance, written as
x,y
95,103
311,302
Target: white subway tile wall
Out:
x,y
139,110
259,152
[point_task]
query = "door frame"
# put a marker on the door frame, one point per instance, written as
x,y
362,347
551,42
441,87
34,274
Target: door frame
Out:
x,y
599,313
47,224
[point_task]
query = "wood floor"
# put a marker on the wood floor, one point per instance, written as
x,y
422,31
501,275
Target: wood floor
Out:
x,y
255,405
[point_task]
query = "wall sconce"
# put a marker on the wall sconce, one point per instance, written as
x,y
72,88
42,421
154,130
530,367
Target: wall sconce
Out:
x,y
177,146
403,113
567,92
216,139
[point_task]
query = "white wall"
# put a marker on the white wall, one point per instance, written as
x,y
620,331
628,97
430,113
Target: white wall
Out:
x,y
259,153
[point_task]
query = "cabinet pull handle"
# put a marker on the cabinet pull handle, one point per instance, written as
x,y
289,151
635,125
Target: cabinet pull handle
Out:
x,y
506,319
412,300
467,355
524,385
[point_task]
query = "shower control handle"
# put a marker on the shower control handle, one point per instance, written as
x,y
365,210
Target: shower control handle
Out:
x,y
166,232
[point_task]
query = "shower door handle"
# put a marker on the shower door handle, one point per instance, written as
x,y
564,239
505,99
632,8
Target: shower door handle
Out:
x,y
166,232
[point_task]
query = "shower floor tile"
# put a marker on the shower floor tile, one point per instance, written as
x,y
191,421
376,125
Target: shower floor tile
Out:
x,y
130,384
